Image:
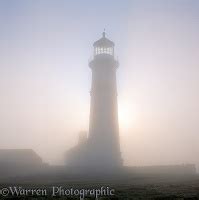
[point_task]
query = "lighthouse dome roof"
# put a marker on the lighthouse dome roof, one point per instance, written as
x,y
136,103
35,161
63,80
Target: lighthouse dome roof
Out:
x,y
103,42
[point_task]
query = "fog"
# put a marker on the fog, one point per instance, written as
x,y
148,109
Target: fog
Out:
x,y
45,79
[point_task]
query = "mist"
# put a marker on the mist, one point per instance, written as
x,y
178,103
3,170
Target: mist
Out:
x,y
45,79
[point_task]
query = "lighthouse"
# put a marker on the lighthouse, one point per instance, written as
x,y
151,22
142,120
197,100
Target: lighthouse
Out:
x,y
101,150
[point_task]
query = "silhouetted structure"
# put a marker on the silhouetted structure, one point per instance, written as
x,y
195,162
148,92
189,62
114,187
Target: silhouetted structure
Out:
x,y
101,150
184,169
16,162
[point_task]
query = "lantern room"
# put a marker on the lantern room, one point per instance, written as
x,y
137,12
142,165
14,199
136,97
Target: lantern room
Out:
x,y
103,46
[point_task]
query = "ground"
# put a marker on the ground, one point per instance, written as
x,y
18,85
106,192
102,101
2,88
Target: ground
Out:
x,y
135,187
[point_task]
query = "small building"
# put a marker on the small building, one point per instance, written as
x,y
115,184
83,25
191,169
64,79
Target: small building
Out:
x,y
17,162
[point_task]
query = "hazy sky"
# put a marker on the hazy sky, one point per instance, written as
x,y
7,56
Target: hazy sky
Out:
x,y
45,80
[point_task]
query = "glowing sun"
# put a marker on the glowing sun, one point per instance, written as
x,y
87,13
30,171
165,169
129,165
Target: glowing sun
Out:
x,y
127,115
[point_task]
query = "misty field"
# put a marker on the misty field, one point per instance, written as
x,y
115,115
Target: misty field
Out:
x,y
131,188
144,192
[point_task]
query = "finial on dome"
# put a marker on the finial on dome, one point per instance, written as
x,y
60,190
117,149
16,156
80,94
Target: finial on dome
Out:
x,y
104,33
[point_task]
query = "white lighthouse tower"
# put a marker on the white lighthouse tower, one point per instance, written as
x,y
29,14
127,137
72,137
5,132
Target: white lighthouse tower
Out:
x,y
102,149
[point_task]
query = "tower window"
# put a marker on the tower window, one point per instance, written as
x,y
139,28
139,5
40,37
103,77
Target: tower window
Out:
x,y
103,50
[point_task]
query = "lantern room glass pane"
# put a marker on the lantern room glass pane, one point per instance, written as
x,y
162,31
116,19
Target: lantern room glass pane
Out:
x,y
103,50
